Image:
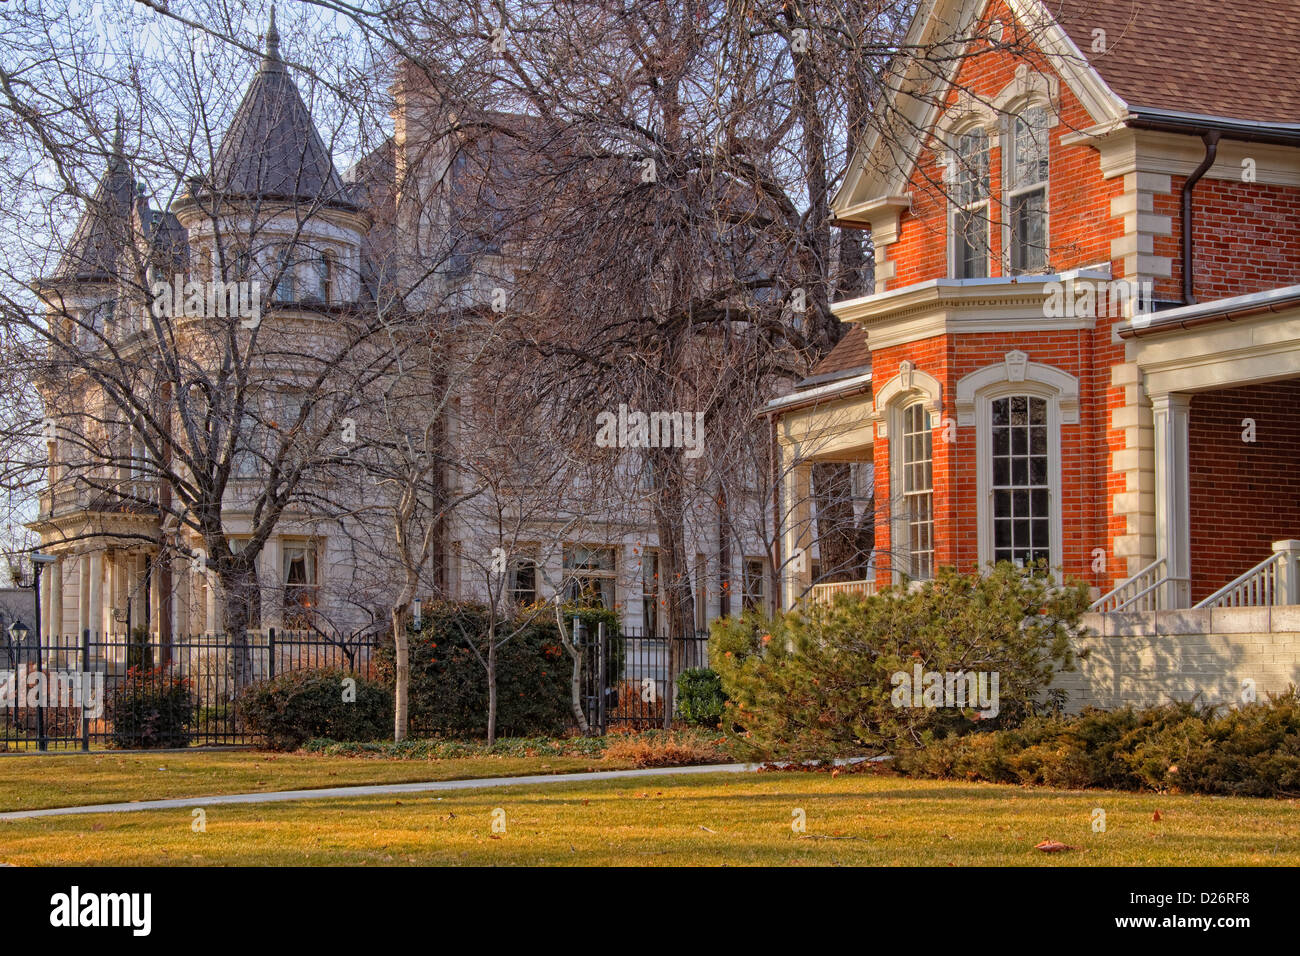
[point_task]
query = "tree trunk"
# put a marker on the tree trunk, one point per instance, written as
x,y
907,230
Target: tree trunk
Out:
x,y
240,602
402,678
492,688
575,682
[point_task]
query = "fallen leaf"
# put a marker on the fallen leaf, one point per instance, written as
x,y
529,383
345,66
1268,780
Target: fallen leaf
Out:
x,y
1052,846
1156,816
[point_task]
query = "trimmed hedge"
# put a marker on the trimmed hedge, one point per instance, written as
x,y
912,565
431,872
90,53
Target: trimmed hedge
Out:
x,y
151,708
1253,750
700,698
449,694
297,706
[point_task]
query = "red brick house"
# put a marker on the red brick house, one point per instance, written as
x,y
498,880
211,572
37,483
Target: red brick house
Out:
x,y
1083,343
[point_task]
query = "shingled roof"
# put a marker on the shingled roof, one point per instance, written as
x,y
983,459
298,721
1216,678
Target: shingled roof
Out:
x,y
105,225
1234,61
272,150
849,356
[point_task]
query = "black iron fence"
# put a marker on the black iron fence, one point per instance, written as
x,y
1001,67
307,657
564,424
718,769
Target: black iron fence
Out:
x,y
631,678
69,693
101,691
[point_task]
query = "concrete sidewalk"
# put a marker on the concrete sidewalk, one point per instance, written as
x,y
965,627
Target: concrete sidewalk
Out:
x,y
377,790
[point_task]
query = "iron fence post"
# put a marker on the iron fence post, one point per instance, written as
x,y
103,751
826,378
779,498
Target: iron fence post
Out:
x,y
602,636
270,653
668,682
85,670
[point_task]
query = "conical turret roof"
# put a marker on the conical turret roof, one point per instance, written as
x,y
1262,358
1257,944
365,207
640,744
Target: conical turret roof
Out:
x,y
272,150
105,227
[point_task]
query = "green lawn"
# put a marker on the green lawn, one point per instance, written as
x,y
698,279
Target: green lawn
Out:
x,y
872,819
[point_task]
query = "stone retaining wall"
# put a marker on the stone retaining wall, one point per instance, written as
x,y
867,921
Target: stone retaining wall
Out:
x,y
1213,656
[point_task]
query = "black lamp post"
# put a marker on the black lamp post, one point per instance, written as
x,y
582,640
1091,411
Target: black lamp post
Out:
x,y
39,561
17,638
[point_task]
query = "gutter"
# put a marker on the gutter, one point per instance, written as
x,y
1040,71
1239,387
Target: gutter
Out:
x,y
1221,315
822,395
1249,131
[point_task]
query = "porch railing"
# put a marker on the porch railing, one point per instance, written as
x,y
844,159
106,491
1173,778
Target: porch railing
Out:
x,y
826,593
1275,580
1142,592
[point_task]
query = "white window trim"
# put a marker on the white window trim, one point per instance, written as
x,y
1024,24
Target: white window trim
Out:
x,y
1027,90
975,395
973,122
1010,192
901,527
904,389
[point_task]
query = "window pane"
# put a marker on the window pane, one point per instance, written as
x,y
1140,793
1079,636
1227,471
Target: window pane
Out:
x,y
972,179
1029,230
1037,411
1030,148
1038,471
1001,412
1001,471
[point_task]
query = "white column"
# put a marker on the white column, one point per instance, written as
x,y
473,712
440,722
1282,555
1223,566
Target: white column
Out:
x,y
95,596
210,609
1170,413
182,588
269,574
796,529
155,595
116,597
47,627
83,593
54,589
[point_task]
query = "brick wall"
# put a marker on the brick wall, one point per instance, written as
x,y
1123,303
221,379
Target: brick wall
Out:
x,y
1247,240
1081,226
1244,495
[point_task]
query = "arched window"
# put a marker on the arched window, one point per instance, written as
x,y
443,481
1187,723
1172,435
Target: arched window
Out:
x,y
1027,190
917,460
1018,408
1022,511
905,411
970,197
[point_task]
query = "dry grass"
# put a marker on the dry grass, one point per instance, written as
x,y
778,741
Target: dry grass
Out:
x,y
664,749
735,819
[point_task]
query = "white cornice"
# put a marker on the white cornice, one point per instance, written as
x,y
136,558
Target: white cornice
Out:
x,y
953,306
879,215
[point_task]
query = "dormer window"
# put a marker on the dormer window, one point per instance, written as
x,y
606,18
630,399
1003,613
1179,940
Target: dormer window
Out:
x,y
970,217
1027,191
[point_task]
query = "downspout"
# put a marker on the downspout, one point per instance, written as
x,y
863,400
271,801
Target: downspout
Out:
x,y
1211,140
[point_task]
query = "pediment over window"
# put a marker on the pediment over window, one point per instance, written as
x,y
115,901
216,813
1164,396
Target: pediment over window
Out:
x,y
910,382
1016,370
